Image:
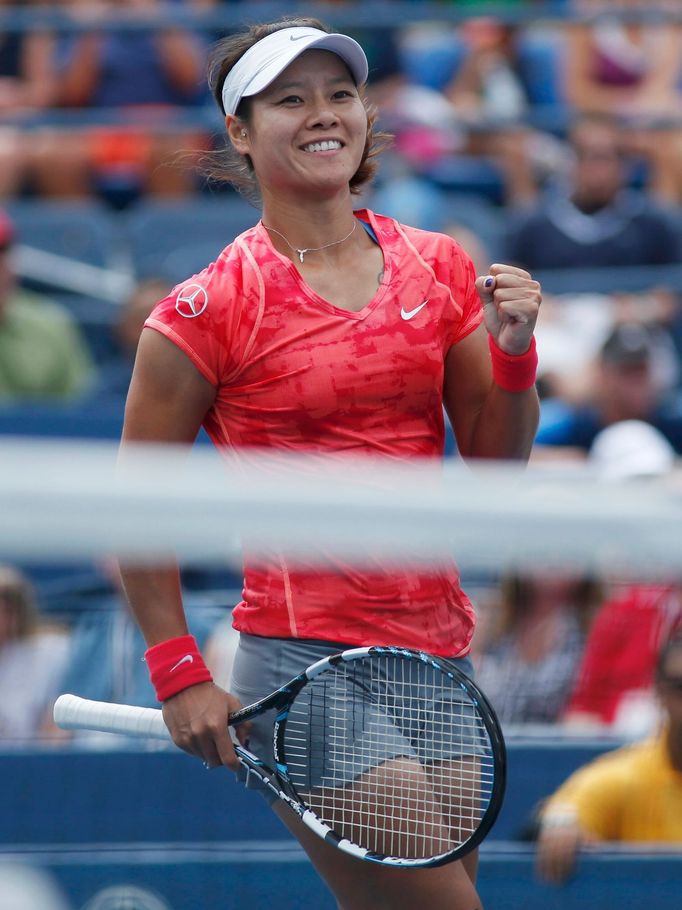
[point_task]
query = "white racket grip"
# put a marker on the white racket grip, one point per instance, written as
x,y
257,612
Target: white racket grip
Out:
x,y
74,713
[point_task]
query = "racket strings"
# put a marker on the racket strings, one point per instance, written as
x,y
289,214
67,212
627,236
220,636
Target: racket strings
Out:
x,y
391,754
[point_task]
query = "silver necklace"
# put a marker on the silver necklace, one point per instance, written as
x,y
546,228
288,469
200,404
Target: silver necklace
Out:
x,y
311,249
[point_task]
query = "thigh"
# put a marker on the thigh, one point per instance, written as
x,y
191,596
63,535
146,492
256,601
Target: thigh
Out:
x,y
391,809
361,885
262,665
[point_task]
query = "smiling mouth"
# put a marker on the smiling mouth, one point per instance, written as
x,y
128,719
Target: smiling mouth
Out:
x,y
327,145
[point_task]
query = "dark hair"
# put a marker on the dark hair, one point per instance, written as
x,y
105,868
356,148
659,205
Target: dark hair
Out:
x,y
226,164
594,120
517,591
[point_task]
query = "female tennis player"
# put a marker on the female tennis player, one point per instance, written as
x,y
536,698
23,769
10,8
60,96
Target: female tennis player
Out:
x,y
327,330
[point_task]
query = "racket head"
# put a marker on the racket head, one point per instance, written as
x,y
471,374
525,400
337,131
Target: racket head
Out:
x,y
392,755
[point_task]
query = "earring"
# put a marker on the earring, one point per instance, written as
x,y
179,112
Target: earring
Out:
x,y
243,133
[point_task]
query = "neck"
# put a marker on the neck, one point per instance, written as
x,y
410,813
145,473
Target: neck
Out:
x,y
306,224
589,206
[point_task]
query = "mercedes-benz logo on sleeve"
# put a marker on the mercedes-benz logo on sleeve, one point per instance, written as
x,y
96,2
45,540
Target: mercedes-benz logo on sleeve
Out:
x,y
191,301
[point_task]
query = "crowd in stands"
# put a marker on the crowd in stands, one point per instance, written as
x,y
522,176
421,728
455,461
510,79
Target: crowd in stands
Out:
x,y
552,144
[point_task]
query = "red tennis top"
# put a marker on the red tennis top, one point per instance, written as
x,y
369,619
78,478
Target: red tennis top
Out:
x,y
295,373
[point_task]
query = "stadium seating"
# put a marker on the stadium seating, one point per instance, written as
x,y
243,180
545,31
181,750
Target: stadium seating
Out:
x,y
176,239
86,232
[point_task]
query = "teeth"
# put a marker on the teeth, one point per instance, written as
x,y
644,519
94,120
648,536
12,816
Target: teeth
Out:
x,y
325,146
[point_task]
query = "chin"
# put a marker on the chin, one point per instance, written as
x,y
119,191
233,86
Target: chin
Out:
x,y
327,184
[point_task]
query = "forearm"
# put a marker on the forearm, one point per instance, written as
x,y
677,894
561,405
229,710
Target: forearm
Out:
x,y
79,80
506,425
181,59
155,599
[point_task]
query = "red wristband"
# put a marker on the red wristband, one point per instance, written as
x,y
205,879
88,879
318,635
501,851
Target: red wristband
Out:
x,y
175,665
514,372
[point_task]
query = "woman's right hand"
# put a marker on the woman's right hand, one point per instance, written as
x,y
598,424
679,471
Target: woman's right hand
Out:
x,y
197,721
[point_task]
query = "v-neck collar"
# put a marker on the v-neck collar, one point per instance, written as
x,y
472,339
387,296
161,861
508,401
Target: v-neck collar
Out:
x,y
383,242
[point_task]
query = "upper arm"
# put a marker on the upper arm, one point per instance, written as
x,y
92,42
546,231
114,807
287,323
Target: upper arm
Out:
x,y
467,382
577,81
665,73
37,65
168,397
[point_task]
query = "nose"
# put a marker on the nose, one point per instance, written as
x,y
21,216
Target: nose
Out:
x,y
322,115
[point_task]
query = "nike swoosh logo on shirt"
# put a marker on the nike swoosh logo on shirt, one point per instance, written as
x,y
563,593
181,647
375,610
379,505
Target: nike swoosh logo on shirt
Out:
x,y
408,314
187,659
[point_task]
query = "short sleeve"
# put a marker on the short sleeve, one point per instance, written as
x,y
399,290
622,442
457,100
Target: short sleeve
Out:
x,y
207,318
185,319
460,277
596,793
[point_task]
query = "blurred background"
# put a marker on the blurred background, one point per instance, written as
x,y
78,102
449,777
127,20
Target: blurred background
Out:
x,y
542,134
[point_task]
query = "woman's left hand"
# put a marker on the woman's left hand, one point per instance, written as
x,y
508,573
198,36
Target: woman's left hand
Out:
x,y
511,301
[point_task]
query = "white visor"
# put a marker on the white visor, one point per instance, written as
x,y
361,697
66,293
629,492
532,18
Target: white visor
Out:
x,y
265,60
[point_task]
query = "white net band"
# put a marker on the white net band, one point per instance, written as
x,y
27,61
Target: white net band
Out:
x,y
70,501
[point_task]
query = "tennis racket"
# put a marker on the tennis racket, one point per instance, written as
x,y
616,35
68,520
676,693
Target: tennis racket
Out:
x,y
391,755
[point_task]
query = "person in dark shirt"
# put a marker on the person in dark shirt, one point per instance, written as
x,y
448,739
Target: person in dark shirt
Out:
x,y
150,75
595,220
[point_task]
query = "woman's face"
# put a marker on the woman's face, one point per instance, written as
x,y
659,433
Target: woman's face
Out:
x,y
308,129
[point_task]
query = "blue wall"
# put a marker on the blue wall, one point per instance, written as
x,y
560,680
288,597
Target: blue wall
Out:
x,y
158,820
258,876
85,796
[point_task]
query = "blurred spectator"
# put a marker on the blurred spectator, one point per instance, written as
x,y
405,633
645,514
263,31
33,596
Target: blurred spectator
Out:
x,y
623,64
573,327
42,352
631,794
417,115
152,75
529,645
633,379
614,686
114,375
26,86
33,654
594,220
628,66
491,96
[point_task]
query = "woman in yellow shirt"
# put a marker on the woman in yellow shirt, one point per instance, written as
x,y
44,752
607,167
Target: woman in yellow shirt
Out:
x,y
631,794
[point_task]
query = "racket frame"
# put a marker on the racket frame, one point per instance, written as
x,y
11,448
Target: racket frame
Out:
x,y
279,781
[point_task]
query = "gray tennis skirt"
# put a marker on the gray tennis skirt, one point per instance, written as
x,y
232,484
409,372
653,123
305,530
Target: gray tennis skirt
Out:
x,y
262,665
